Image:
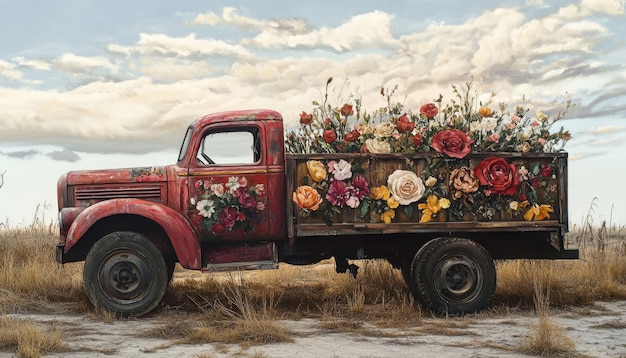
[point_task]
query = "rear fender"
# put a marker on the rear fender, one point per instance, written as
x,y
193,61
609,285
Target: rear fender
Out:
x,y
180,233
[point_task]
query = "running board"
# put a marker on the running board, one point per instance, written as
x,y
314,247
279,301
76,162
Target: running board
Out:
x,y
241,266
240,256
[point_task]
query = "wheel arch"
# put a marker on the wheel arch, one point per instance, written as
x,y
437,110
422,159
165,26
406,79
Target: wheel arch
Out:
x,y
163,225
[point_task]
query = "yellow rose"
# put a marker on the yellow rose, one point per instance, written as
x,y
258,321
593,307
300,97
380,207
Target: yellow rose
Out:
x,y
317,170
387,216
444,203
307,197
380,193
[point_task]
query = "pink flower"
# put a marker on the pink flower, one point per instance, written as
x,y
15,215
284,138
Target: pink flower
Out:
x,y
360,187
534,124
353,202
243,181
495,137
511,125
341,170
338,193
198,184
541,141
260,206
217,190
515,118
259,189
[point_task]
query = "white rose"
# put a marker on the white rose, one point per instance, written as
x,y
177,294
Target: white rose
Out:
x,y
377,146
405,186
384,130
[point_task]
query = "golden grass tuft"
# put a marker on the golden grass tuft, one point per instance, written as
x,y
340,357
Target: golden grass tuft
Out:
x,y
29,340
29,274
546,338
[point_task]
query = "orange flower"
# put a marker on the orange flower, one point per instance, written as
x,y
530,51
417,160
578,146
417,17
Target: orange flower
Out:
x,y
538,212
485,112
307,197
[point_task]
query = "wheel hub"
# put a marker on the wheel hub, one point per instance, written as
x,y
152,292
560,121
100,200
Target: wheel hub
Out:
x,y
457,279
124,276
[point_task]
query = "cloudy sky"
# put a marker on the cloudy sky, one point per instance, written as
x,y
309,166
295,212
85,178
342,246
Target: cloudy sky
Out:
x,y
93,84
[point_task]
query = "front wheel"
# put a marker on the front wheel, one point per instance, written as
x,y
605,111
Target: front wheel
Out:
x,y
125,273
454,276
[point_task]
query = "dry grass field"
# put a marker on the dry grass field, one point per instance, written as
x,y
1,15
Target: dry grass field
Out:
x,y
245,308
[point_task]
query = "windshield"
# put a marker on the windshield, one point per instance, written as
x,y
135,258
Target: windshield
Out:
x,y
183,148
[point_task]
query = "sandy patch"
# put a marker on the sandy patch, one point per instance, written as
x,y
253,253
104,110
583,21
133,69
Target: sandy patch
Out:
x,y
597,331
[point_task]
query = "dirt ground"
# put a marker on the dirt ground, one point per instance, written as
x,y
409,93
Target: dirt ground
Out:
x,y
599,331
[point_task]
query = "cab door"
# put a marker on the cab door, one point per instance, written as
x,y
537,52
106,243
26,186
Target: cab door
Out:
x,y
227,183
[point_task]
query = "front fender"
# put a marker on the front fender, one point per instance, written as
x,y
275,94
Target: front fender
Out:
x,y
181,234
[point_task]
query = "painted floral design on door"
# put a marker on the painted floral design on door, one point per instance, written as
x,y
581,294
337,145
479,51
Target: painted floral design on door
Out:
x,y
232,207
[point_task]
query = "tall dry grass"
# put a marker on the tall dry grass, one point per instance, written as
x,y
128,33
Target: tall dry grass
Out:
x,y
30,278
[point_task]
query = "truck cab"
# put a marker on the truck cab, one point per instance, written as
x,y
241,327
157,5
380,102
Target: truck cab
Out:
x,y
220,207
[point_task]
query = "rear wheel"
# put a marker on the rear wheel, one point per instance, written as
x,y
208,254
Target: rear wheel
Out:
x,y
125,273
454,276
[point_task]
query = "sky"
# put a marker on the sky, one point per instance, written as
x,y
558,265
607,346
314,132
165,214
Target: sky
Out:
x,y
88,84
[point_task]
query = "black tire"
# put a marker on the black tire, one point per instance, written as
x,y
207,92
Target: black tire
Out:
x,y
454,276
125,273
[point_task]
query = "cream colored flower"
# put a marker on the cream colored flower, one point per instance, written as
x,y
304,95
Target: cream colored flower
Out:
x,y
525,147
444,203
513,205
377,146
431,181
384,130
541,116
365,129
405,186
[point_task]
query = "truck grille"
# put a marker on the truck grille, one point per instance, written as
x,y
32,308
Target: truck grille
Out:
x,y
92,195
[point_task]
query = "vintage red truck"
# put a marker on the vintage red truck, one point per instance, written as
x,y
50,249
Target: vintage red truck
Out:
x,y
236,200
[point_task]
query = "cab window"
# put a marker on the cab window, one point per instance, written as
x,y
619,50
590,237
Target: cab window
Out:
x,y
230,147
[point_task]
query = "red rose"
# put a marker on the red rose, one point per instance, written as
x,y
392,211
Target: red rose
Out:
x,y
546,171
247,202
452,142
429,110
306,118
404,124
500,176
417,139
352,136
229,216
329,135
327,122
346,110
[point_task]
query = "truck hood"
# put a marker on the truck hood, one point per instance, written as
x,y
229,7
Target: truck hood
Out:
x,y
83,188
117,176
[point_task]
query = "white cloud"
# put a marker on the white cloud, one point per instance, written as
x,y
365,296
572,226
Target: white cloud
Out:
x,y
34,64
9,71
611,7
74,64
371,30
231,17
611,129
